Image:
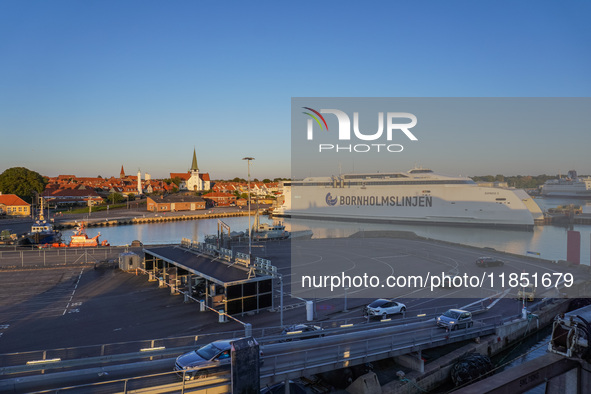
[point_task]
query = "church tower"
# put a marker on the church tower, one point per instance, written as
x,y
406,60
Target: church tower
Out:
x,y
122,174
194,181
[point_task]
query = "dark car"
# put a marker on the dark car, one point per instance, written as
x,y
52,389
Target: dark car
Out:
x,y
454,319
489,262
302,331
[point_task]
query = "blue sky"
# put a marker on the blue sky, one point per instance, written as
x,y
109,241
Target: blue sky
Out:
x,y
86,87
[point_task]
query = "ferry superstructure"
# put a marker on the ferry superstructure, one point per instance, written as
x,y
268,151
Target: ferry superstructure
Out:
x,y
417,196
572,186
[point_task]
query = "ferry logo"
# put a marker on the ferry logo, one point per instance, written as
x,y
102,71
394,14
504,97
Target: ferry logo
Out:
x,y
330,200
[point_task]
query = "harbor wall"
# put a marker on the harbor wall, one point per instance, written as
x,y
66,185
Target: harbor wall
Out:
x,y
438,371
149,219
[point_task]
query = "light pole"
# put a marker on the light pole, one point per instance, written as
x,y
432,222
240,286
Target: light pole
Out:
x,y
248,159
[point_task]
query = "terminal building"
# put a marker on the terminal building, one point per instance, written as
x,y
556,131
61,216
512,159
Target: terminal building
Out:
x,y
221,279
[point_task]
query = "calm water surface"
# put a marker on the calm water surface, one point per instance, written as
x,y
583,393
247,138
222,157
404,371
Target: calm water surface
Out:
x,y
548,241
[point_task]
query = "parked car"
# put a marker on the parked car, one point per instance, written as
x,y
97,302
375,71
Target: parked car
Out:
x,y
302,331
489,262
455,318
208,359
383,308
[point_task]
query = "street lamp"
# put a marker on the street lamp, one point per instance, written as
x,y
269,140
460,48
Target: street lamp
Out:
x,y
248,159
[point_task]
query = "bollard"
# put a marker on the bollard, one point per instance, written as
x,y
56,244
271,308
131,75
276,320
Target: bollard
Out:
x,y
524,313
248,330
309,310
201,306
222,317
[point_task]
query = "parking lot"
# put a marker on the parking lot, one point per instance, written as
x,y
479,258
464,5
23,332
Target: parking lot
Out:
x,y
84,304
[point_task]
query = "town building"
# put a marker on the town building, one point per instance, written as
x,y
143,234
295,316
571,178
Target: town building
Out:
x,y
13,205
174,203
193,180
220,199
71,194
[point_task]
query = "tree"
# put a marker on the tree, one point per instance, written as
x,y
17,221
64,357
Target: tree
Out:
x,y
22,182
115,198
266,180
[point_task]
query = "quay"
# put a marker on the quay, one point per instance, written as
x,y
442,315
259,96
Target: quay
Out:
x,y
159,218
108,306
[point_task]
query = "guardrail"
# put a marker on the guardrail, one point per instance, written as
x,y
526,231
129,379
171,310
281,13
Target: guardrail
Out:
x,y
49,257
295,359
328,353
263,335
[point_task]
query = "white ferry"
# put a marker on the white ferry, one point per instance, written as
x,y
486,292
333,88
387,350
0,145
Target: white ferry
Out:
x,y
418,196
571,186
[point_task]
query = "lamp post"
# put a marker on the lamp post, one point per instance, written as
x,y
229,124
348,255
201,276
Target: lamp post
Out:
x,y
248,159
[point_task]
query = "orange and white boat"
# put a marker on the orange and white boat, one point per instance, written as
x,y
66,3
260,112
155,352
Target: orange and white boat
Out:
x,y
80,239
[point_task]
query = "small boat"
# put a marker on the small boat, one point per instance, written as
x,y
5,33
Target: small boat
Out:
x,y
41,232
268,232
81,240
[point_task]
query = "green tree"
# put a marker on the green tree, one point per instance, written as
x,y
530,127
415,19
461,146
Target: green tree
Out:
x,y
22,182
115,198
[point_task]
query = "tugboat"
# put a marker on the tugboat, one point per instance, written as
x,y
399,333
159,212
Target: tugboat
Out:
x,y
42,232
81,240
267,232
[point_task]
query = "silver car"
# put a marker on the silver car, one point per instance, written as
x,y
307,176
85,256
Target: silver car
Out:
x,y
207,359
383,308
455,318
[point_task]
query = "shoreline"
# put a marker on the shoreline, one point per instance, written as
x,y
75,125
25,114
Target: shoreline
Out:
x,y
157,218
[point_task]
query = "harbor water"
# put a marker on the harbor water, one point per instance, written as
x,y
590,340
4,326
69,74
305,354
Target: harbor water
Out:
x,y
546,242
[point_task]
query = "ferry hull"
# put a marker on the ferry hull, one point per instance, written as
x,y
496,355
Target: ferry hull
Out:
x,y
452,205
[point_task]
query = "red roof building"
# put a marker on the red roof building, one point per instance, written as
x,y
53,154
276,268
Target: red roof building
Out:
x,y
11,204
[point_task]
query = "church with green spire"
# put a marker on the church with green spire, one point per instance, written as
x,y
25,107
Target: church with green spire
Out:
x,y
197,182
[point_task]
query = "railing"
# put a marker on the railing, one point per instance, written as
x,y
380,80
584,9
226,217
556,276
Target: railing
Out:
x,y
168,382
57,256
294,359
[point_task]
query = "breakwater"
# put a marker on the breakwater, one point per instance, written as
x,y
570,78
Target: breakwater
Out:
x,y
148,219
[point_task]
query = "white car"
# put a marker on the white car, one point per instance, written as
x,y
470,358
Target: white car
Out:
x,y
384,308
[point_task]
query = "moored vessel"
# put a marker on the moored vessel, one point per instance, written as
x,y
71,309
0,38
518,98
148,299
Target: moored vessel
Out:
x,y
42,232
80,239
417,196
572,186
